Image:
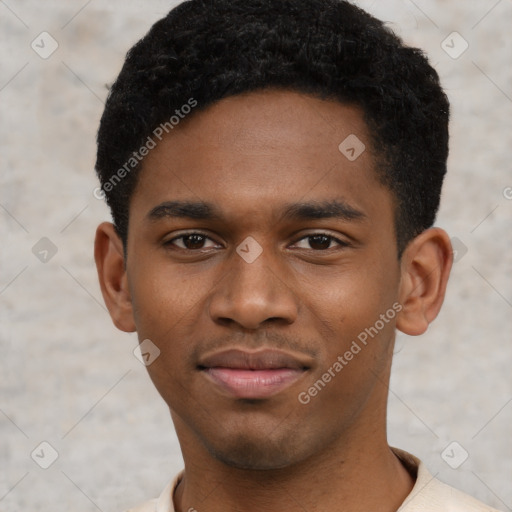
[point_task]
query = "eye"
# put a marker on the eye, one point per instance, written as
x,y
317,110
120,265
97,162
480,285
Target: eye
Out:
x,y
319,242
192,241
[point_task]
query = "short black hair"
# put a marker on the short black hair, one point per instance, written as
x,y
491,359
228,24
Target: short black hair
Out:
x,y
206,50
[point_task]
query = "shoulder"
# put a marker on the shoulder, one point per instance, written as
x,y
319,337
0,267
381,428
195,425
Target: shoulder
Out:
x,y
436,496
431,495
162,504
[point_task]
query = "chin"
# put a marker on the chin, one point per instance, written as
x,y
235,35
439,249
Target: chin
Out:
x,y
243,452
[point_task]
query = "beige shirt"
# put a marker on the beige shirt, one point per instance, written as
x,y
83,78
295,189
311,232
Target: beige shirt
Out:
x,y
427,495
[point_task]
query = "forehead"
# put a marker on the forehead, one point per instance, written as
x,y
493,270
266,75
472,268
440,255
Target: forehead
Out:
x,y
273,120
257,151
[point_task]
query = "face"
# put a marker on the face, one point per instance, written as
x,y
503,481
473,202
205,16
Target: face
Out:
x,y
259,258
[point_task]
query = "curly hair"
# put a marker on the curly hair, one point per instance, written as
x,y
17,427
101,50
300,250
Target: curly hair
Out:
x,y
331,49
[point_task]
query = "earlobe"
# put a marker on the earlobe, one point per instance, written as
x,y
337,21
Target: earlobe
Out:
x,y
110,264
425,268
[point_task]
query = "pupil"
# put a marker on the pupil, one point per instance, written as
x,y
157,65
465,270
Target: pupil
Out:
x,y
193,241
319,242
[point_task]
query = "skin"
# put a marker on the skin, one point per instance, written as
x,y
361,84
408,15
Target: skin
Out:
x,y
250,156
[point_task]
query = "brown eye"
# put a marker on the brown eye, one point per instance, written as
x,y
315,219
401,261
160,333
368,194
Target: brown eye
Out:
x,y
319,242
192,241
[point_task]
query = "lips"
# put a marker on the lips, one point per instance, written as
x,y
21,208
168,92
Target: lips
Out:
x,y
253,375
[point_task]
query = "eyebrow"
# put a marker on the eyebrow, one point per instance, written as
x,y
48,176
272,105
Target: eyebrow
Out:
x,y
197,210
335,209
313,210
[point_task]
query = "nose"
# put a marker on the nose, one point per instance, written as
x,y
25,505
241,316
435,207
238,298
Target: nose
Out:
x,y
253,295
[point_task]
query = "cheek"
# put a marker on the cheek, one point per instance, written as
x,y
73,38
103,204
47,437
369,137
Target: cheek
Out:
x,y
356,320
161,296
163,302
348,300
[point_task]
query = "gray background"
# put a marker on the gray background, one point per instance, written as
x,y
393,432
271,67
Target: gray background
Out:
x,y
69,378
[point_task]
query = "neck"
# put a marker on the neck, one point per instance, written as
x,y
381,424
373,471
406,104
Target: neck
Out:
x,y
352,475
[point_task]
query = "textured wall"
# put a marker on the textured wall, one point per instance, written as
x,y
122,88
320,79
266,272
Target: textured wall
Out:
x,y
70,379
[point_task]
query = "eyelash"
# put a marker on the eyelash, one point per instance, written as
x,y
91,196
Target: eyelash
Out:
x,y
341,243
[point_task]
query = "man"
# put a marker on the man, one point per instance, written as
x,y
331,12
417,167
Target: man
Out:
x,y
274,170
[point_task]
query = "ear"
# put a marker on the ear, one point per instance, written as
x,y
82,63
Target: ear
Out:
x,y
425,267
109,257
